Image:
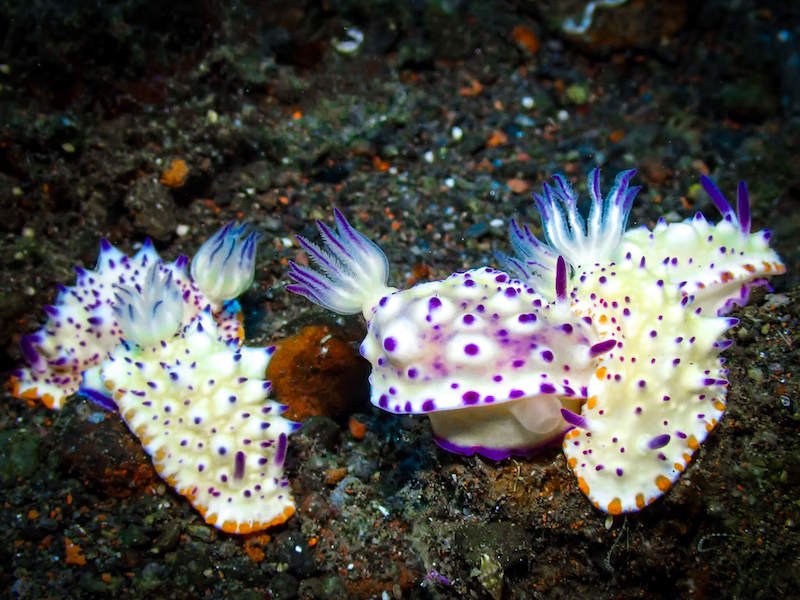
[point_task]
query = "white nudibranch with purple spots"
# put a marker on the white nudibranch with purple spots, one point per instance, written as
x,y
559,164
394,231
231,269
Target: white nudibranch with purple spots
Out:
x,y
611,335
487,358
198,403
82,326
659,295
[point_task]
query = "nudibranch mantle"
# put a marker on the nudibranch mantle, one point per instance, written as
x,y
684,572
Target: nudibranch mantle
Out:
x,y
81,327
198,403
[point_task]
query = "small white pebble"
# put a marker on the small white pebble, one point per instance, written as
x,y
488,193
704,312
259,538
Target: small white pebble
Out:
x,y
68,148
456,133
212,116
17,191
528,102
28,232
353,42
496,223
350,566
298,549
450,182
562,115
428,156
182,230
287,242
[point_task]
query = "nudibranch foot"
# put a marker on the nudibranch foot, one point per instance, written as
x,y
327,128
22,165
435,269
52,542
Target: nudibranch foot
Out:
x,y
523,427
199,405
352,274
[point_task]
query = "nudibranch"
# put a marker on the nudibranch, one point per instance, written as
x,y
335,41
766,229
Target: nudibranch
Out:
x,y
659,295
81,327
198,403
613,336
488,359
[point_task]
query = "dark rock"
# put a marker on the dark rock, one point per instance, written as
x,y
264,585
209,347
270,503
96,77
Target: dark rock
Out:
x,y
292,549
153,576
96,446
152,209
283,586
506,542
323,587
322,431
19,455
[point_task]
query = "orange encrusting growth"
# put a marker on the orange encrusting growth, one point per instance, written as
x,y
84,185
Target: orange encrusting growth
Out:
x,y
317,372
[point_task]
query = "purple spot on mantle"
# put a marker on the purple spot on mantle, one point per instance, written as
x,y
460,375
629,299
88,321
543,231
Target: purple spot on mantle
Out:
x,y
280,452
389,344
659,441
602,347
471,397
238,472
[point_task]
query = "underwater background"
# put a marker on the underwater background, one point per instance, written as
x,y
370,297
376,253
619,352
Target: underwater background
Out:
x,y
430,123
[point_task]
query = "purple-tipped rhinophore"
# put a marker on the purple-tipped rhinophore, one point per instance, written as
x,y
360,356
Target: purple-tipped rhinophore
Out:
x,y
742,219
352,269
561,279
224,266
